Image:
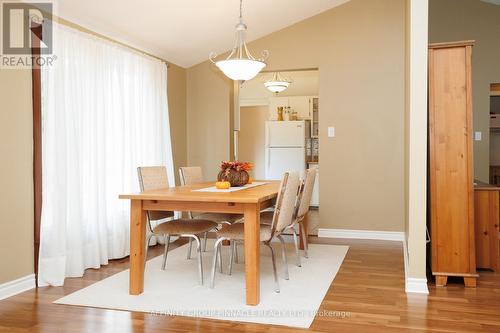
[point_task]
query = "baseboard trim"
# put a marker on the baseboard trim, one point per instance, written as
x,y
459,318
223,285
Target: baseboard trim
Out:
x,y
362,234
413,285
416,286
17,286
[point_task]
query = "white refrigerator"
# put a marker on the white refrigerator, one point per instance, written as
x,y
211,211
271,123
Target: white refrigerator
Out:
x,y
285,147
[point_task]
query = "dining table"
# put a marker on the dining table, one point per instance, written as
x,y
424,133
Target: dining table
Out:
x,y
248,201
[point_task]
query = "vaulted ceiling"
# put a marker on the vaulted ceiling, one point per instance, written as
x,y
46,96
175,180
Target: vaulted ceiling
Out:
x,y
186,31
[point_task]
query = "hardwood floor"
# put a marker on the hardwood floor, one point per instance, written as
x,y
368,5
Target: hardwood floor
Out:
x,y
367,296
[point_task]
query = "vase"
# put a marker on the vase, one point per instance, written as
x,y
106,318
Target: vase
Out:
x,y
236,178
280,113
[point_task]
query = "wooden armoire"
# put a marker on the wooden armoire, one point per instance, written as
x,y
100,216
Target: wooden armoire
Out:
x,y
451,172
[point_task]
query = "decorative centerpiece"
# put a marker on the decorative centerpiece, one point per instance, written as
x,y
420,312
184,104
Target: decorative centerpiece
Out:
x,y
236,173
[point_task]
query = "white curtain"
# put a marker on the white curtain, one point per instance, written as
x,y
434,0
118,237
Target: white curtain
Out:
x,y
104,113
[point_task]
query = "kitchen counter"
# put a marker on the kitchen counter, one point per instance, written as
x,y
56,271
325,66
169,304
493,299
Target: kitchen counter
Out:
x,y
478,185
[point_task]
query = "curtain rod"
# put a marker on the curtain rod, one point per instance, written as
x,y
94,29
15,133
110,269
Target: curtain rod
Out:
x,y
83,29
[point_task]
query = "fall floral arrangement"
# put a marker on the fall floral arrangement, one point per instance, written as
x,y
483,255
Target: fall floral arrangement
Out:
x,y
235,172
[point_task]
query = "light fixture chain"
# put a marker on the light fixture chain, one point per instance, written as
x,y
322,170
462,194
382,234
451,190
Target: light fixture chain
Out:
x,y
240,65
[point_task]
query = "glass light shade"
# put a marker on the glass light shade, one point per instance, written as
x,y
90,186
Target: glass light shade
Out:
x,y
240,69
277,86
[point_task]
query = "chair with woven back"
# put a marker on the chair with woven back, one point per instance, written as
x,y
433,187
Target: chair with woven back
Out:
x,y
302,208
304,204
283,217
194,175
154,178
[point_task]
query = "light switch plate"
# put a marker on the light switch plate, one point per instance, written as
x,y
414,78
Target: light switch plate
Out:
x,y
331,132
478,136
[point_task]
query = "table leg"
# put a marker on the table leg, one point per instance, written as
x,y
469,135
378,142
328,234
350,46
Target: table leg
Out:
x,y
137,247
305,225
252,253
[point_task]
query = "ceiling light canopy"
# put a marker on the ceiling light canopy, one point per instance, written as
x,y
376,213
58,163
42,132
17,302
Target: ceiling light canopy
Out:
x,y
240,65
277,83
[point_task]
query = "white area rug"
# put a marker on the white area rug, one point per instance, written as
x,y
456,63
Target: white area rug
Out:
x,y
176,291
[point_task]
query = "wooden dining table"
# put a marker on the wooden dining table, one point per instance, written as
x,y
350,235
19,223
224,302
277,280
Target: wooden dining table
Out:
x,y
249,201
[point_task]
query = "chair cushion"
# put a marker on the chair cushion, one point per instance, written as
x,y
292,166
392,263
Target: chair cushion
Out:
x,y
220,217
184,226
237,231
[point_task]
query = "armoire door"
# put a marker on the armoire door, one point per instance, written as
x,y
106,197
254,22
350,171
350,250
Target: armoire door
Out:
x,y
450,148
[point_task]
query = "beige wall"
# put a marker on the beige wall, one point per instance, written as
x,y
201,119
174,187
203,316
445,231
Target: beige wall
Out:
x,y
452,20
360,52
16,176
252,138
209,98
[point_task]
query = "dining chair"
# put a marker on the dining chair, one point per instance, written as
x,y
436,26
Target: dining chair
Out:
x,y
153,178
302,208
282,218
194,175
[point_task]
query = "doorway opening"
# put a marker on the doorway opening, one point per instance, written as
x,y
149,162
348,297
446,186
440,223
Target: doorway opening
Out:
x,y
495,134
280,131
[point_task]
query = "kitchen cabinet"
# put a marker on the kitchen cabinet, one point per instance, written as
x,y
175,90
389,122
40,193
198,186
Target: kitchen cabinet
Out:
x,y
314,105
303,105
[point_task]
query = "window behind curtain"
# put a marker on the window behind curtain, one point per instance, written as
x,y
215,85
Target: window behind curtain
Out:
x,y
104,113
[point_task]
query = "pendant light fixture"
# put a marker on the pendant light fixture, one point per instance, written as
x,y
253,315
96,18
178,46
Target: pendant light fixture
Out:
x,y
240,65
277,83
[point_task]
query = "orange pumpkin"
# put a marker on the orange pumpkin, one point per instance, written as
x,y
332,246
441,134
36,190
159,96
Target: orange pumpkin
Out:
x,y
222,185
250,180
